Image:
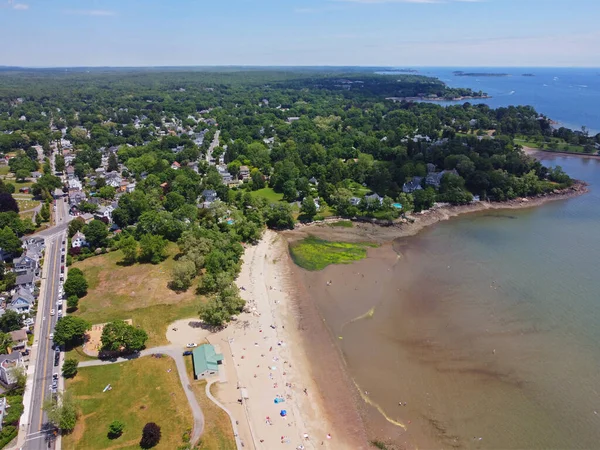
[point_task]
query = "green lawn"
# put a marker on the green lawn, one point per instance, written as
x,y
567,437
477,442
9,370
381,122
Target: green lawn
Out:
x,y
218,433
342,224
138,292
559,145
313,253
4,170
142,391
269,194
25,205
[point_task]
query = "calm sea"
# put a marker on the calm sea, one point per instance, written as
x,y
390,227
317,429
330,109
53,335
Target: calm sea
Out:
x,y
489,328
566,95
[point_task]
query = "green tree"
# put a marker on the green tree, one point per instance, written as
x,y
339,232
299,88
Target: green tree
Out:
x,y
9,242
107,192
222,306
10,321
21,175
130,248
407,202
258,179
118,336
76,225
115,429
182,275
96,233
70,330
59,163
424,199
72,302
174,200
113,164
290,194
45,212
69,369
308,208
5,342
62,412
279,216
76,284
152,248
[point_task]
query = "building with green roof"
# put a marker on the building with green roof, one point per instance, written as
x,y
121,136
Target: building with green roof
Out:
x,y
206,361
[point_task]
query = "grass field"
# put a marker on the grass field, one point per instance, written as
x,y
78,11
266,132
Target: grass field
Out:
x,y
559,145
142,391
137,292
313,253
25,205
269,194
342,224
4,170
218,433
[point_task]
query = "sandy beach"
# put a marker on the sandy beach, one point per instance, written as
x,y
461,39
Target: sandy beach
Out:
x,y
266,351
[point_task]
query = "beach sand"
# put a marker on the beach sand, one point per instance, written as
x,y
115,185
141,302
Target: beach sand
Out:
x,y
274,348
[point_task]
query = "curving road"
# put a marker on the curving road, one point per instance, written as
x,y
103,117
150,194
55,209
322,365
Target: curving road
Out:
x,y
174,352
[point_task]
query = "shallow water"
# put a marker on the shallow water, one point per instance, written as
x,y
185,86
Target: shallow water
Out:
x,y
487,327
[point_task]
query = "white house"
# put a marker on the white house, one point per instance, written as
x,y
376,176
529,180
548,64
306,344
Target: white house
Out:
x,y
22,301
78,240
8,364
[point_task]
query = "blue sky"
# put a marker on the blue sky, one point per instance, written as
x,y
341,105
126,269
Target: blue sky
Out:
x,y
300,32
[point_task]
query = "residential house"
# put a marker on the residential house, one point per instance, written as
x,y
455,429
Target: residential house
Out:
x,y
19,339
78,240
435,178
36,174
175,165
244,172
74,184
22,301
314,181
8,364
225,175
104,212
24,264
209,196
70,172
76,197
130,187
100,172
206,361
114,181
87,217
373,198
412,185
354,201
26,281
123,186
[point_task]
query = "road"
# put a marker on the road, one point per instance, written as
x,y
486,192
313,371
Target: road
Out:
x,y
38,435
174,351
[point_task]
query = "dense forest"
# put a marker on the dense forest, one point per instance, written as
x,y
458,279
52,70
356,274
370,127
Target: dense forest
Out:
x,y
216,155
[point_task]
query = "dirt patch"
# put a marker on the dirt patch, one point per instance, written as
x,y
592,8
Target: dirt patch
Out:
x,y
93,337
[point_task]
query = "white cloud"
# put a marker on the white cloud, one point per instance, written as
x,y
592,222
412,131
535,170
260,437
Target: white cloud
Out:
x,y
90,12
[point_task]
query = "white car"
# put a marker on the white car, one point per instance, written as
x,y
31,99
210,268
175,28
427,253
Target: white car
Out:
x,y
51,336
59,302
51,312
192,345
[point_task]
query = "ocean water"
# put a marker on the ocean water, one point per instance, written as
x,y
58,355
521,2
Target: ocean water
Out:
x,y
569,96
487,328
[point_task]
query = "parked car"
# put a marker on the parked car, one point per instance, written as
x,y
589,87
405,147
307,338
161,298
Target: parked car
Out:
x,y
187,353
192,345
56,357
59,302
51,336
51,312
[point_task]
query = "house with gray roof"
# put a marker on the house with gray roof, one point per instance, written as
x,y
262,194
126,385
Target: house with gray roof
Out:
x,y
7,365
22,301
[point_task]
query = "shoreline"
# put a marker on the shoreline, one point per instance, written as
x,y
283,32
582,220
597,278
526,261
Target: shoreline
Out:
x,y
538,152
378,233
272,353
368,231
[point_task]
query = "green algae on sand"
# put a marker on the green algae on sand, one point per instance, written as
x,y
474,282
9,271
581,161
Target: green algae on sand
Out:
x,y
312,253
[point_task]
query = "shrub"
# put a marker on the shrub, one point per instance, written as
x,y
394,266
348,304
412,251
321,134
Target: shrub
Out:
x,y
69,369
115,429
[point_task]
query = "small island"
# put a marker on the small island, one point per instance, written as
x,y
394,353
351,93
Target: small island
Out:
x,y
460,73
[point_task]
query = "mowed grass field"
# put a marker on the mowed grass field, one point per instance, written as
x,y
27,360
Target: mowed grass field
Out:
x,y
269,194
218,433
139,292
142,391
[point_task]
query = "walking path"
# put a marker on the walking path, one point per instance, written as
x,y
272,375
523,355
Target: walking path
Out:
x,y
174,352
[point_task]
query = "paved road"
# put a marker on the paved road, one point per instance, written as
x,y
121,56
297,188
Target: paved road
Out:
x,y
176,353
38,436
